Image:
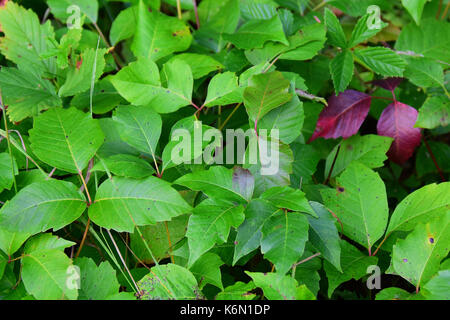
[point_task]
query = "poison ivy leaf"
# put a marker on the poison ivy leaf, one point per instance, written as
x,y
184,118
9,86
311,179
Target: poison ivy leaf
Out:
x,y
26,93
360,202
324,235
209,224
216,182
382,60
96,282
160,238
140,127
44,273
249,232
344,115
434,112
283,240
3,262
417,257
169,281
388,83
260,9
275,286
8,169
125,165
26,39
288,119
243,182
335,33
415,8
216,18
254,33
10,242
237,291
65,138
122,203
61,9
369,150
104,98
361,32
124,26
79,78
288,198
397,121
421,206
113,144
432,39
145,88
200,64
341,69
306,273
305,162
222,90
393,293
354,266
425,163
207,270
47,241
438,287
424,72
44,205
264,93
158,35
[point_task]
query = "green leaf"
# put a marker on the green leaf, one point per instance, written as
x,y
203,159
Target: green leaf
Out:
x,y
10,242
254,33
59,8
26,39
425,164
306,273
122,203
146,89
434,112
65,138
45,272
382,60
354,265
124,26
394,293
79,78
415,8
305,162
360,202
417,257
169,281
424,72
249,233
438,288
26,93
264,93
140,127
335,33
158,35
237,291
156,237
44,205
361,31
324,235
421,206
216,182
8,169
96,282
288,198
125,165
47,241
275,286
369,150
209,224
200,64
222,90
284,236
341,69
432,39
207,270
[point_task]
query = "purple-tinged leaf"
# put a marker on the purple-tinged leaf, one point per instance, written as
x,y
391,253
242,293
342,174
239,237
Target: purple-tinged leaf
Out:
x,y
397,121
243,182
388,83
344,115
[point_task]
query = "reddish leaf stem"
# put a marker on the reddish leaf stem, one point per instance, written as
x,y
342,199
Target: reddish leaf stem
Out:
x,y
441,173
332,165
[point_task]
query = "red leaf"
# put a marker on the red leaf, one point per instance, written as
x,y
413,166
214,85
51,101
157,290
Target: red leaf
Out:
x,y
388,83
397,121
344,115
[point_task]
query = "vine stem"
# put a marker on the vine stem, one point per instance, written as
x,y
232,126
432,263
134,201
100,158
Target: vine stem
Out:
x,y
332,165
179,9
434,159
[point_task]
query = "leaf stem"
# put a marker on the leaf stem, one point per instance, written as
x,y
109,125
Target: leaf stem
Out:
x,y
381,243
170,242
332,165
307,259
179,9
197,20
229,117
9,142
441,173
